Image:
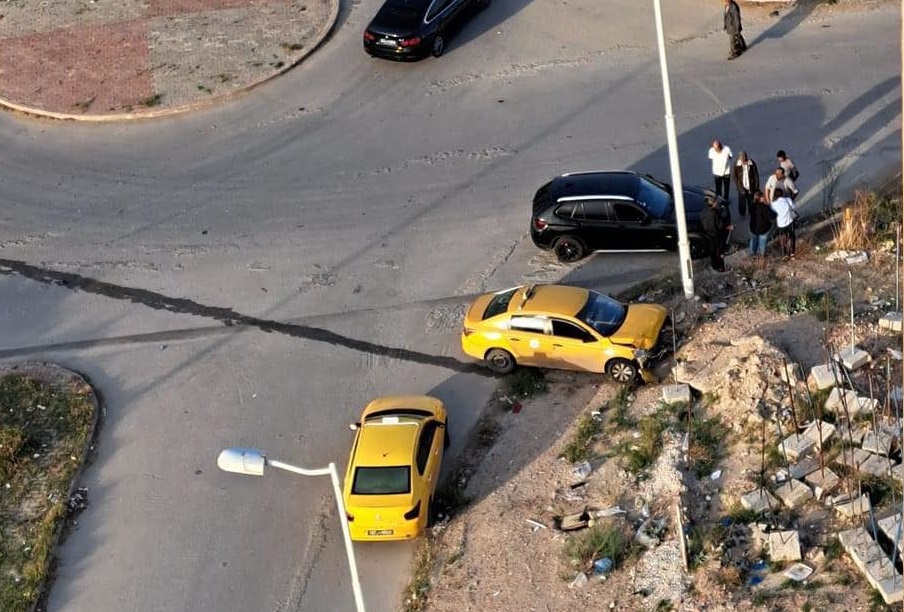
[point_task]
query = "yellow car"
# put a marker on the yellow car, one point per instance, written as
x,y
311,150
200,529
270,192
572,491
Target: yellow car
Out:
x,y
561,327
394,467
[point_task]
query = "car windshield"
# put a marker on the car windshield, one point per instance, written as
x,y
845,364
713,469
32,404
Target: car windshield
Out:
x,y
499,303
653,197
602,313
394,480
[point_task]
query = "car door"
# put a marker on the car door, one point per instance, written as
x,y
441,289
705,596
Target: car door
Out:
x,y
598,228
530,343
575,347
425,461
639,231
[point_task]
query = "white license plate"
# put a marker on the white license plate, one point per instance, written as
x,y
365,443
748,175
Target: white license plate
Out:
x,y
387,42
379,532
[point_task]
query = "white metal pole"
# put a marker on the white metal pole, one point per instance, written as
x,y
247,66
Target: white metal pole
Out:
x,y
684,250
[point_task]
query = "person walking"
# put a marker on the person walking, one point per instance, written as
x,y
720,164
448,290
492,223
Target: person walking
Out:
x,y
785,216
787,165
720,155
779,180
761,216
747,182
716,222
732,26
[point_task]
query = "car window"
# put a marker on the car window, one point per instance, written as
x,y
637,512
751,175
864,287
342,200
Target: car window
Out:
x,y
499,303
653,198
627,212
437,7
596,210
425,443
394,480
565,211
566,329
528,324
602,313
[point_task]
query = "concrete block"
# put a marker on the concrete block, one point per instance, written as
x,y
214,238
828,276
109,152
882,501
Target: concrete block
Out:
x,y
783,545
796,445
676,394
896,394
822,376
897,472
819,432
794,493
853,433
759,500
853,457
891,321
838,398
875,465
854,358
803,466
854,507
822,482
863,405
877,442
889,526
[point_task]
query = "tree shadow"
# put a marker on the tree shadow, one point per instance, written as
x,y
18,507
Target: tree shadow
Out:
x,y
787,22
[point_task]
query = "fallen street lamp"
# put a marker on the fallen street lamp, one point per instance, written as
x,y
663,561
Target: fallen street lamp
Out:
x,y
252,462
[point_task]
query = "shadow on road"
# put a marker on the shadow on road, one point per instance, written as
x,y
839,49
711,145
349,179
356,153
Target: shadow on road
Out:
x,y
786,23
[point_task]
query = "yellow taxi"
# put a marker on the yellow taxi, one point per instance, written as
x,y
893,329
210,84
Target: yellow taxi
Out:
x,y
394,467
562,327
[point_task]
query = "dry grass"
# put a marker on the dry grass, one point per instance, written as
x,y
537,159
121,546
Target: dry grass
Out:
x,y
867,222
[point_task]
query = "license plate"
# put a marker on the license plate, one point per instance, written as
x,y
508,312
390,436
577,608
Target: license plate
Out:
x,y
387,42
379,532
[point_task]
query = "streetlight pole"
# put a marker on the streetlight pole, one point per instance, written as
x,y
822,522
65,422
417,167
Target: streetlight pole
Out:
x,y
251,461
684,248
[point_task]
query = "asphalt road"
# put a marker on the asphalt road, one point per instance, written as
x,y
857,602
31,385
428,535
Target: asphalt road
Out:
x,y
269,266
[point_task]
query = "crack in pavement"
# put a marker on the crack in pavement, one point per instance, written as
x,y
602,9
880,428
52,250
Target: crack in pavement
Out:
x,y
227,316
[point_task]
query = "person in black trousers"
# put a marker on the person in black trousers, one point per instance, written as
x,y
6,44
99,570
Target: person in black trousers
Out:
x,y
747,181
716,221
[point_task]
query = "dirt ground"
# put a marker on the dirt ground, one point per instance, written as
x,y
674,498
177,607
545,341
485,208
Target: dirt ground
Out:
x,y
745,348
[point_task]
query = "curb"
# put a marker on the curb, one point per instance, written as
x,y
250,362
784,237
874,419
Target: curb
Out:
x,y
319,39
53,375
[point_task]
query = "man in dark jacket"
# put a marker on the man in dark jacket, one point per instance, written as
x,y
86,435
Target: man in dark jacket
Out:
x,y
747,180
761,216
732,26
715,219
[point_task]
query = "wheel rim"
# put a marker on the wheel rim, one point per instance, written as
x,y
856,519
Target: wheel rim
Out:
x,y
437,45
569,250
622,372
500,360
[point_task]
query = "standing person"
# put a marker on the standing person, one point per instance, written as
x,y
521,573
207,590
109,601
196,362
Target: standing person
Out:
x,y
747,182
785,214
721,161
761,216
787,165
716,223
732,26
779,180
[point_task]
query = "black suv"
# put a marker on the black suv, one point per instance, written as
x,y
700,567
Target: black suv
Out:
x,y
578,213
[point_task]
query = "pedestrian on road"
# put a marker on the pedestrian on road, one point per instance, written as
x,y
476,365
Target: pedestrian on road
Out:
x,y
787,165
785,216
761,217
779,180
716,221
747,182
720,155
732,25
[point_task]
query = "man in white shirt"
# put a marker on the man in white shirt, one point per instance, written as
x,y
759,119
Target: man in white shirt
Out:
x,y
720,155
785,212
779,180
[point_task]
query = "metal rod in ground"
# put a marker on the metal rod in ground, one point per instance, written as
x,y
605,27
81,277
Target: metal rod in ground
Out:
x,y
817,411
847,417
851,290
790,394
674,348
878,440
781,439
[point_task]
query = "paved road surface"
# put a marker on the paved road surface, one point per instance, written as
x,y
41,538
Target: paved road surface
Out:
x,y
356,203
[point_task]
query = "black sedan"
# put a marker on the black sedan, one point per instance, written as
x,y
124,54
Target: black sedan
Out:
x,y
579,213
413,29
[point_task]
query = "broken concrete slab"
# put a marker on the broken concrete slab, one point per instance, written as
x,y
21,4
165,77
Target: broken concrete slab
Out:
x,y
877,442
796,445
853,457
783,545
872,561
822,376
676,394
863,404
891,321
759,500
854,507
891,526
823,482
798,572
794,493
820,432
803,466
897,472
854,358
838,398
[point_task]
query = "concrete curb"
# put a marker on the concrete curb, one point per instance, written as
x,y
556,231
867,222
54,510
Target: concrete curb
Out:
x,y
319,39
53,375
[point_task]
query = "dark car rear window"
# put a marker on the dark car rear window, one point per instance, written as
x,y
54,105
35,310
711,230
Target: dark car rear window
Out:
x,y
542,199
394,480
602,313
499,303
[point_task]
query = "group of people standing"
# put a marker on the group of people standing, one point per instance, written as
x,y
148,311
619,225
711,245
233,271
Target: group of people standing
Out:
x,y
771,206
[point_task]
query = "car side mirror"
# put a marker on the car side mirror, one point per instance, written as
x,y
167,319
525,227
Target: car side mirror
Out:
x,y
354,426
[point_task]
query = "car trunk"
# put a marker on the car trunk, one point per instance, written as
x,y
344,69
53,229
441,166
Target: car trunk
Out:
x,y
378,512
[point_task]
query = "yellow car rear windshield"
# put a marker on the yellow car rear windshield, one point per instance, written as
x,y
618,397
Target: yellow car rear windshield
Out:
x,y
499,303
394,480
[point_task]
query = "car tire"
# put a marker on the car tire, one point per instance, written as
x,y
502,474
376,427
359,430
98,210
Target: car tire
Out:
x,y
622,371
499,361
438,45
430,518
569,249
699,247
